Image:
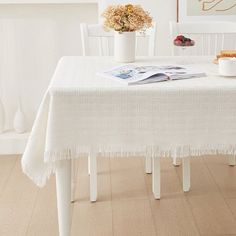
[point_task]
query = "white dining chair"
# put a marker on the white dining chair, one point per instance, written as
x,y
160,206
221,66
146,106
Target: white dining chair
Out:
x,y
210,38
97,41
96,37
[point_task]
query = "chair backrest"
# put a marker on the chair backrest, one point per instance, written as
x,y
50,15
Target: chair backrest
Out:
x,y
210,37
100,42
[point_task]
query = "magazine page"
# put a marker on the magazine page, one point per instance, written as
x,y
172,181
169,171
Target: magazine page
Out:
x,y
177,73
133,74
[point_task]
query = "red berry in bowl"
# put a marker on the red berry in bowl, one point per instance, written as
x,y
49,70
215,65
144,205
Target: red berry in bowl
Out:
x,y
183,41
178,42
188,43
180,37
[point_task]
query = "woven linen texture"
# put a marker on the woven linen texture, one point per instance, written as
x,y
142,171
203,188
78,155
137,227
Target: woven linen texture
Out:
x,y
81,111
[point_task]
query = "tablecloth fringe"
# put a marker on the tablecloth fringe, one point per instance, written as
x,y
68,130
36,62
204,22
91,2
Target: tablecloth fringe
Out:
x,y
39,179
153,151
52,157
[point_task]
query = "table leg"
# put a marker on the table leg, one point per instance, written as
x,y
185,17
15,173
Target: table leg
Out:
x,y
186,174
93,176
156,177
232,160
63,185
148,164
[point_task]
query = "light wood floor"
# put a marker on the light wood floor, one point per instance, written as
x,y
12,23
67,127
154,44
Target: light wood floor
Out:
x,y
125,204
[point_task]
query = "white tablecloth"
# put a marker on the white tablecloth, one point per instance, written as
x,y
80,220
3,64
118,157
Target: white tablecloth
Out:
x,y
81,111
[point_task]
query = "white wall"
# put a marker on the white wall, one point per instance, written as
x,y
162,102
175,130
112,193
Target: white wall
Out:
x,y
32,39
34,36
162,11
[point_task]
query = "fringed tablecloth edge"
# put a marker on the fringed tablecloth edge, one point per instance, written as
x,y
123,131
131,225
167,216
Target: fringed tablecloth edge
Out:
x,y
51,158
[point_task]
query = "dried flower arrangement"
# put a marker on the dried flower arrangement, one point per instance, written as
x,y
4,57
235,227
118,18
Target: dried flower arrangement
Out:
x,y
127,18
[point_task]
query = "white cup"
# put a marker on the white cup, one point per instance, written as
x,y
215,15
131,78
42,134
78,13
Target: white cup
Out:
x,y
227,66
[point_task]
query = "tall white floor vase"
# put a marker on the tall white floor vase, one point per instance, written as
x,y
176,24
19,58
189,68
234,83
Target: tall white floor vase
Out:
x,y
2,117
19,122
124,46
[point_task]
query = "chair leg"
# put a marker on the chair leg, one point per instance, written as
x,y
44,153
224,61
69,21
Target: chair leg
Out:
x,y
73,178
89,164
63,188
93,176
156,177
148,164
176,161
231,160
186,174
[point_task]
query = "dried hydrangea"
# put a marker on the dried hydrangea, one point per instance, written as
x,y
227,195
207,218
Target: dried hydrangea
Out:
x,y
127,18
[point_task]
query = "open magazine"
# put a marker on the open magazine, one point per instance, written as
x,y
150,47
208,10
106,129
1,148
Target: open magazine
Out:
x,y
133,74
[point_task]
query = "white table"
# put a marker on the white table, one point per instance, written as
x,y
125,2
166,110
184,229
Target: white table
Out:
x,y
82,113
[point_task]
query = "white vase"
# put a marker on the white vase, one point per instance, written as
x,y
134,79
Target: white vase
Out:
x,y
2,117
19,122
124,46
